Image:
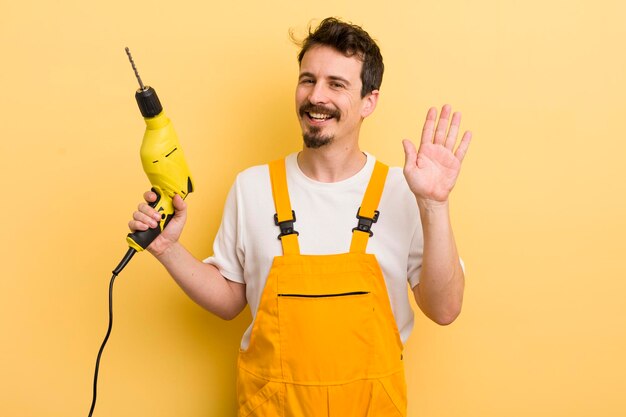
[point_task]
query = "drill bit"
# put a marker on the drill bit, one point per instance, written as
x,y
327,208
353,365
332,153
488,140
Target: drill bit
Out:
x,y
130,58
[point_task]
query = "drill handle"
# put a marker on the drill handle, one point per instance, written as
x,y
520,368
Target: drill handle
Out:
x,y
141,239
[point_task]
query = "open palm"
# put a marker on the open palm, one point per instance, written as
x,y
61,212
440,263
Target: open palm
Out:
x,y
431,171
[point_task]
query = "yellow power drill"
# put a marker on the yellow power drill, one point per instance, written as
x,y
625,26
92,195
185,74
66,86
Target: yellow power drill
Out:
x,y
163,162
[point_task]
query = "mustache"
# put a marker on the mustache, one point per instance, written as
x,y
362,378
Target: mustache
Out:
x,y
316,108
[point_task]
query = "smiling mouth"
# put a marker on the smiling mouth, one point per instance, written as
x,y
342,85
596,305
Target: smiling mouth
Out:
x,y
319,117
318,114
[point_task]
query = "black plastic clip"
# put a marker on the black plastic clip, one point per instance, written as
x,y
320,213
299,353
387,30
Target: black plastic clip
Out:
x,y
365,223
286,227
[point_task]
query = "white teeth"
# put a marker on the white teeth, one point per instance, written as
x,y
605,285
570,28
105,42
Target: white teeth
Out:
x,y
319,116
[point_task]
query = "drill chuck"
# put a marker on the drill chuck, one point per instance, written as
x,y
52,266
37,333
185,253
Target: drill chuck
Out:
x,y
148,102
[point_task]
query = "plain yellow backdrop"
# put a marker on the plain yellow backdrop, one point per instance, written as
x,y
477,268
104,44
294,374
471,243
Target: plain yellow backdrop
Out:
x,y
538,210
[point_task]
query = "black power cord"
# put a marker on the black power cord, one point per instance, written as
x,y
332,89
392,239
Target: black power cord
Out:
x,y
116,271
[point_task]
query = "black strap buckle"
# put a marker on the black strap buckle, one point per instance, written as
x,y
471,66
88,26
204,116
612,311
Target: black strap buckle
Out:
x,y
286,227
365,223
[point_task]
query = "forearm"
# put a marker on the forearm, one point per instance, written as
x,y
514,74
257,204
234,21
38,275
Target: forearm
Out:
x,y
439,293
203,283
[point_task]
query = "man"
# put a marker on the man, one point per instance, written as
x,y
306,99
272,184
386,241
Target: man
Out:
x,y
328,297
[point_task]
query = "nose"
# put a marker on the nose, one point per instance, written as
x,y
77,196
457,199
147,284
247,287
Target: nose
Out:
x,y
318,95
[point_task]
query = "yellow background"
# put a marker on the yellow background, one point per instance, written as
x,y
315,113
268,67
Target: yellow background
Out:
x,y
538,210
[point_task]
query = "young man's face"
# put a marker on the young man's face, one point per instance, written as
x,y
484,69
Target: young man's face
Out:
x,y
328,97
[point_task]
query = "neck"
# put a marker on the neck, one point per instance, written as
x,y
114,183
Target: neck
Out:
x,y
330,164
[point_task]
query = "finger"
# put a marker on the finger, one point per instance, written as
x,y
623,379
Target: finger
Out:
x,y
149,211
454,130
463,146
410,153
150,196
145,219
429,126
136,226
442,125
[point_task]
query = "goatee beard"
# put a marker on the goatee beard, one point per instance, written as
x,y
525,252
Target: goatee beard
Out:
x,y
313,139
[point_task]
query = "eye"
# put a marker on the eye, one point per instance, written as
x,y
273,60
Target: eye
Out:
x,y
337,85
306,81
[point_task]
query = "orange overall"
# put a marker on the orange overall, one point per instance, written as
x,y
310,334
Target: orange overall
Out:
x,y
324,341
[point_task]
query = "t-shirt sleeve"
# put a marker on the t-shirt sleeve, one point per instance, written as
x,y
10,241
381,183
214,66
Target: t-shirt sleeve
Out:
x,y
416,251
227,248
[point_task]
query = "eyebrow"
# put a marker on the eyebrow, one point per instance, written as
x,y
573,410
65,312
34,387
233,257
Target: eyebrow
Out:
x,y
332,77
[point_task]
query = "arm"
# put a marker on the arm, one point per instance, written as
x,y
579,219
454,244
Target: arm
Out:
x,y
431,173
203,283
439,293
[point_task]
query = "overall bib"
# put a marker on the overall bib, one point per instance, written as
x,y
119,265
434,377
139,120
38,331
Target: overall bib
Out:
x,y
324,341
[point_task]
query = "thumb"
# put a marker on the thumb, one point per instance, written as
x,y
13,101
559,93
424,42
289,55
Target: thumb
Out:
x,y
410,154
179,204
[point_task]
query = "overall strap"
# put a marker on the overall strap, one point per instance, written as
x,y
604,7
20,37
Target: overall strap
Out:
x,y
285,216
367,213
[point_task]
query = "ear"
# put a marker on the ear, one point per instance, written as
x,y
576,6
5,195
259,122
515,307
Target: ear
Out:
x,y
369,103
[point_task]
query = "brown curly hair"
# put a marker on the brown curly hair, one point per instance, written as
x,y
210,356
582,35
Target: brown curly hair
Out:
x,y
350,40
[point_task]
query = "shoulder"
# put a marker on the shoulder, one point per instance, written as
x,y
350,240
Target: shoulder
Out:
x,y
252,181
397,197
254,174
396,177
259,175
396,184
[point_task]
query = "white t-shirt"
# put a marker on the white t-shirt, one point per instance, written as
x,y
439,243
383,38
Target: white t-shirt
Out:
x,y
247,242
